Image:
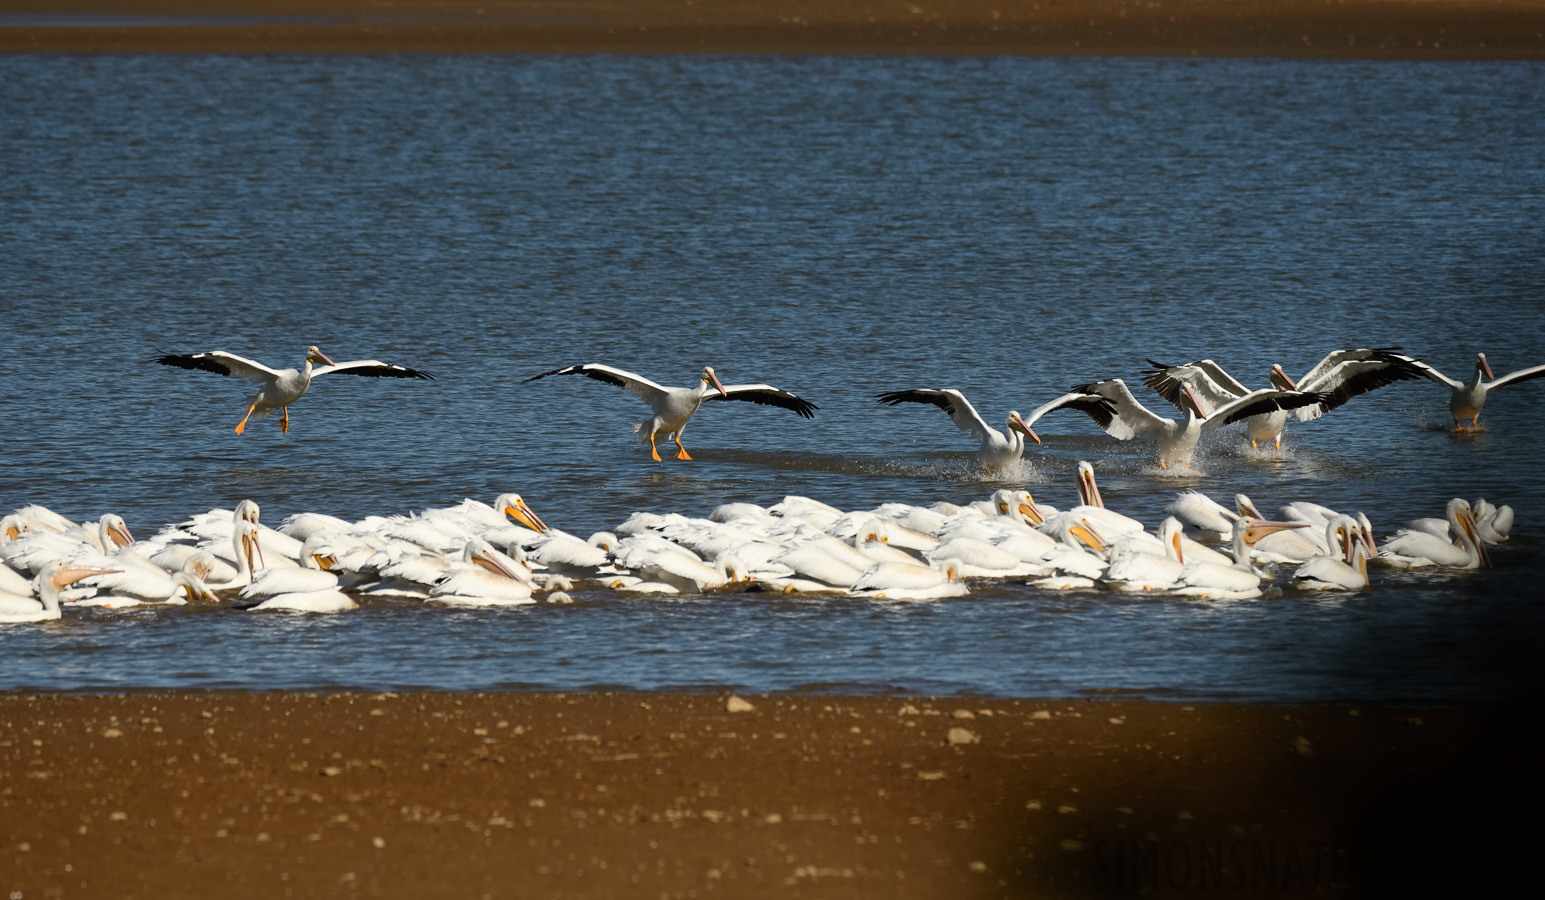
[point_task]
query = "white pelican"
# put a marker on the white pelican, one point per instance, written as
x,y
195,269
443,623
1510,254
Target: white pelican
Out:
x,y
1202,517
307,577
249,556
1413,549
910,581
54,577
325,601
1465,400
674,406
1493,523
1342,375
1240,581
1177,440
996,449
281,387
1135,570
483,577
13,582
1346,569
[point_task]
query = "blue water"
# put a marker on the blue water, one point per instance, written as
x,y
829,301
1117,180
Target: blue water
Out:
x,y
833,226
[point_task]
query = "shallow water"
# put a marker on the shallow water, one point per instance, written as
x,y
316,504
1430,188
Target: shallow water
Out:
x,y
834,226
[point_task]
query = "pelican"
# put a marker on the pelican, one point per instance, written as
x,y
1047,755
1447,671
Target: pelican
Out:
x,y
674,406
1465,400
1203,518
281,387
1177,440
1346,569
1418,548
1342,375
54,577
1135,570
1237,582
996,450
324,601
911,581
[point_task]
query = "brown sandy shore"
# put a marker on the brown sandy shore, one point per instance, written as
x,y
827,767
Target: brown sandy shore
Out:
x,y
646,795
1415,29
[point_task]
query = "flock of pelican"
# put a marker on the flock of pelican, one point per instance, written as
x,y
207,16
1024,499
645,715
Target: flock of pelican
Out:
x,y
503,554
1206,395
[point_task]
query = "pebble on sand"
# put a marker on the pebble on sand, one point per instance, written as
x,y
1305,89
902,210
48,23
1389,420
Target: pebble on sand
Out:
x,y
736,705
962,736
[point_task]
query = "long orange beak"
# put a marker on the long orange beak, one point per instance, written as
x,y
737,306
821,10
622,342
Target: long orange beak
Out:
x,y
1286,383
522,513
1089,489
71,574
1196,404
1179,553
1467,522
1025,430
317,356
498,566
716,383
1258,529
1487,367
121,535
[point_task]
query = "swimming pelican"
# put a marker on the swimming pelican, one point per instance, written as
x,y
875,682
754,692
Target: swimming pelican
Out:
x,y
54,577
674,406
281,387
1240,581
1177,440
1342,375
996,449
1346,569
1134,570
911,581
1413,549
1203,518
1465,400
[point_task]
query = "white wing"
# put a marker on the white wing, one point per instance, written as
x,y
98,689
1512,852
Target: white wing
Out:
x,y
953,402
1130,417
634,384
1211,384
1520,375
1262,401
766,395
220,363
372,368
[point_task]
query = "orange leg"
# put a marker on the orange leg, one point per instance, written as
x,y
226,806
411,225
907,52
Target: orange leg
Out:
x,y
1475,424
284,421
653,451
1458,427
242,425
1163,465
1254,447
681,452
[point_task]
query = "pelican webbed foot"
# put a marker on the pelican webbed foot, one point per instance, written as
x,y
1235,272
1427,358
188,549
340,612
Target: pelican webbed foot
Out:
x,y
284,421
242,425
653,450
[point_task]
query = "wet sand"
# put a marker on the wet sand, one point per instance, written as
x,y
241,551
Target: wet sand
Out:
x,y
647,795
1415,29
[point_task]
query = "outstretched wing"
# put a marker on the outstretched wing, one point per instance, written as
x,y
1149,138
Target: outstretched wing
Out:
x,y
1430,373
220,363
1520,375
372,368
953,402
1208,381
767,395
634,384
1263,401
1357,372
1129,418
1094,406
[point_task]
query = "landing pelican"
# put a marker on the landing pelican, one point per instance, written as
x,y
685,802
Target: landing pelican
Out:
x,y
996,450
281,387
1465,400
1177,440
674,406
1342,375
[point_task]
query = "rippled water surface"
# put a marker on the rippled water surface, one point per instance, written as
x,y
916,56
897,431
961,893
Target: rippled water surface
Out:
x,y
834,226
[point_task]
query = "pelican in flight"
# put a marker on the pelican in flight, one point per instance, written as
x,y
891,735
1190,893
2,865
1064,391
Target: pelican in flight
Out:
x,y
1177,440
1465,400
281,387
996,450
673,406
1342,375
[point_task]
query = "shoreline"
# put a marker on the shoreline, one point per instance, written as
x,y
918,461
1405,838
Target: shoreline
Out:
x,y
197,794
1343,29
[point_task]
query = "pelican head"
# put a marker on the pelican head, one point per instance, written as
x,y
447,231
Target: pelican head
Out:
x,y
513,506
1196,405
247,510
1170,532
1281,381
115,530
1460,514
481,554
1086,533
194,588
1088,491
12,527
1481,365
314,354
1246,508
1018,503
710,378
1018,424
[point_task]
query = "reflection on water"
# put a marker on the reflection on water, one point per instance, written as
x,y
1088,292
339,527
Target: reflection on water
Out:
x,y
835,226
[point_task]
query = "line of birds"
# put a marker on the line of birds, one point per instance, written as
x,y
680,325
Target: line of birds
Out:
x,y
1207,396
503,554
